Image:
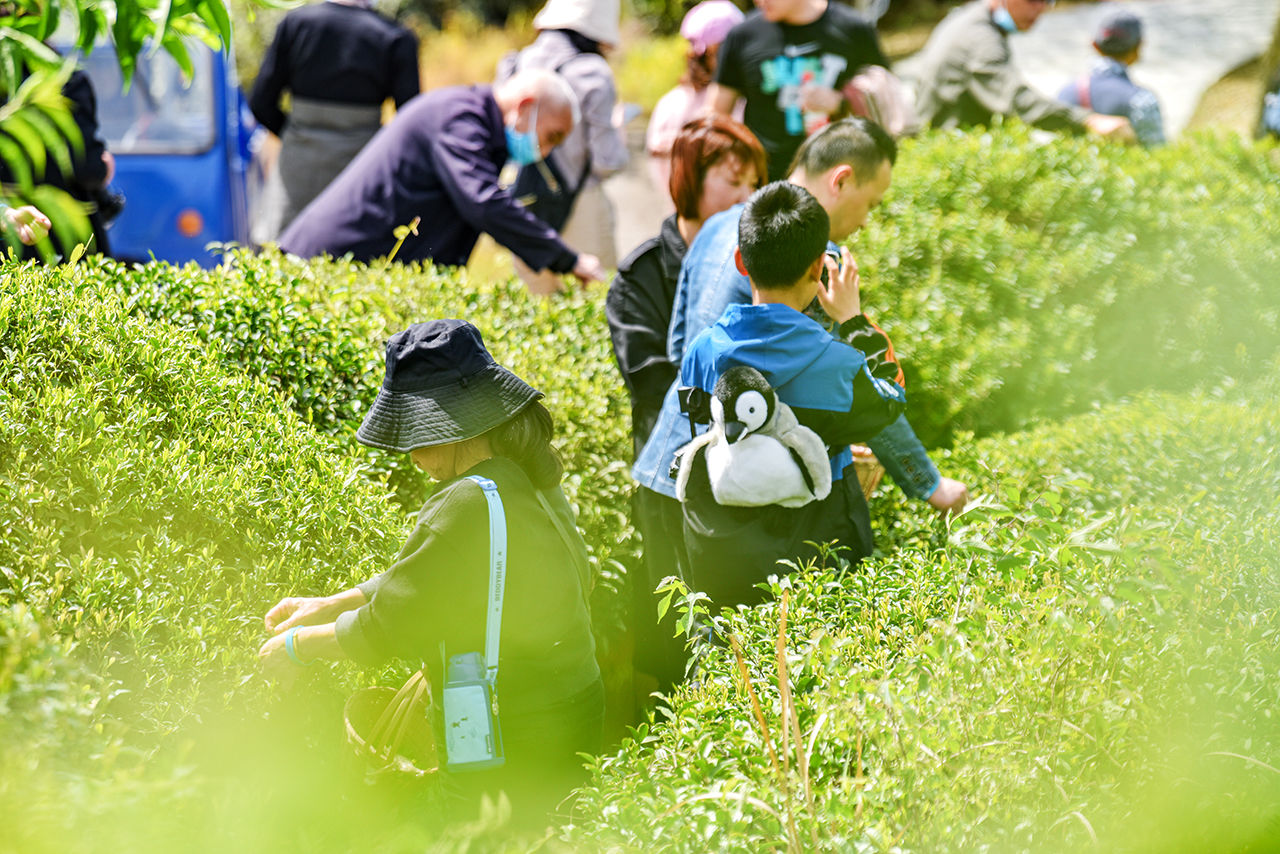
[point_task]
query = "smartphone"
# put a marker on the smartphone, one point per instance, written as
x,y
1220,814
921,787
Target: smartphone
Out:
x,y
834,255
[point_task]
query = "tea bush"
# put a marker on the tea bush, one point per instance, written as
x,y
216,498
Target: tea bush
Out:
x,y
1088,659
316,332
153,507
1024,280
176,452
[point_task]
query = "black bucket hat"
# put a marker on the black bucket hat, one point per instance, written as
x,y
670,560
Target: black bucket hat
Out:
x,y
441,386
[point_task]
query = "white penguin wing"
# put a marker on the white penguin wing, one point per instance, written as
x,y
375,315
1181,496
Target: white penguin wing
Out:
x,y
686,454
813,455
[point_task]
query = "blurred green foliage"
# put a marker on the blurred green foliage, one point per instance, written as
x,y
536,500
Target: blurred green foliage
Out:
x,y
36,126
1088,652
1025,279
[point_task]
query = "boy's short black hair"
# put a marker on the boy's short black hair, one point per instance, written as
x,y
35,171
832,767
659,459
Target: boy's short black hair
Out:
x,y
783,230
854,141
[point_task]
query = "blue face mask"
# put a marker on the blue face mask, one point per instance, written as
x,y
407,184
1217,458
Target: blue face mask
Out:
x,y
522,148
1002,19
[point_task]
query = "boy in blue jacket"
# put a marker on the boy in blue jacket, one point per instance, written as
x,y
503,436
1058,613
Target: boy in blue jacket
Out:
x,y
846,386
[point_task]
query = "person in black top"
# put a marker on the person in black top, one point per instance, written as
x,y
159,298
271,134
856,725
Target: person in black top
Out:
x,y
92,168
790,60
715,163
457,412
340,60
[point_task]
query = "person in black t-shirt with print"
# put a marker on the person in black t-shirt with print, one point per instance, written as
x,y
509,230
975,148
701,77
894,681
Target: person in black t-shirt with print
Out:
x,y
790,59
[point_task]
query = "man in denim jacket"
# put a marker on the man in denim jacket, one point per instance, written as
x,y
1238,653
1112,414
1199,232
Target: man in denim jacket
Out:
x,y
841,383
847,167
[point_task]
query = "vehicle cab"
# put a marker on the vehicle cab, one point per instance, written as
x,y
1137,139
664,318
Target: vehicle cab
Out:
x,y
182,154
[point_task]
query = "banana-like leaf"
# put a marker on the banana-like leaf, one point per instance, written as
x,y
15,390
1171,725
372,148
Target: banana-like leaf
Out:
x,y
124,34
20,127
70,217
161,19
16,159
213,13
177,48
37,54
59,140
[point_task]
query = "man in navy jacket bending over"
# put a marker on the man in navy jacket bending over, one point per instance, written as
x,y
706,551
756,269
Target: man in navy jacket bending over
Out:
x,y
439,160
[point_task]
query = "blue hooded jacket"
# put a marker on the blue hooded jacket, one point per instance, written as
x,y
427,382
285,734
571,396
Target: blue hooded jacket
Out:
x,y
827,381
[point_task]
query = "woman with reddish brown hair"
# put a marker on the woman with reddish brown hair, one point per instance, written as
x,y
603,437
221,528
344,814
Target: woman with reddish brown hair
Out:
x,y
716,163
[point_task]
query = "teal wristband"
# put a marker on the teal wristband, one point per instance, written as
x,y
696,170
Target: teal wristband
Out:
x,y
289,648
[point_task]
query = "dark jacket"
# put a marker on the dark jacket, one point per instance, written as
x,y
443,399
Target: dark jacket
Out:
x,y
439,160
437,592
89,173
638,308
334,52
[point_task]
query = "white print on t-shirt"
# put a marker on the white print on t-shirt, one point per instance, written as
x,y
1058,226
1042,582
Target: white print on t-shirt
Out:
x,y
785,75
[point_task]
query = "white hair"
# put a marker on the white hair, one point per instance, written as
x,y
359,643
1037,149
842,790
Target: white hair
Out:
x,y
547,87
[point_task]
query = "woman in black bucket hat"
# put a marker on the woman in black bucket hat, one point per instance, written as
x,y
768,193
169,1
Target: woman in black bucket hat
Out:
x,y
458,413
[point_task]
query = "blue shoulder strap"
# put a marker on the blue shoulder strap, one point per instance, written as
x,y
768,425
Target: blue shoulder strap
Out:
x,y
497,572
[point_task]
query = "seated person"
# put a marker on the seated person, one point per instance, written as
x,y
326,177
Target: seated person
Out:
x,y
1107,89
846,387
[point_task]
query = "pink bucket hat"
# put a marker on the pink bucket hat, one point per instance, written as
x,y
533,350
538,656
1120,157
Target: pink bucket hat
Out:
x,y
707,24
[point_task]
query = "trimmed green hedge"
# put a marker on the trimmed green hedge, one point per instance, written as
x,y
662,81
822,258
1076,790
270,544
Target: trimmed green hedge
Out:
x,y
1089,659
1025,280
176,452
316,333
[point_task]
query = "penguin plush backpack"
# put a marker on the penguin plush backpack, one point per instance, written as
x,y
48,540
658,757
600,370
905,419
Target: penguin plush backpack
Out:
x,y
756,452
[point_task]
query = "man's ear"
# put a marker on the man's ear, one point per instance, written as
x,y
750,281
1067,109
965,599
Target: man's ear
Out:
x,y
817,267
522,108
840,177
737,259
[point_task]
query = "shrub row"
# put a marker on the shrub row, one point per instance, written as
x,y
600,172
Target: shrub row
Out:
x,y
157,493
1024,280
316,334
1087,660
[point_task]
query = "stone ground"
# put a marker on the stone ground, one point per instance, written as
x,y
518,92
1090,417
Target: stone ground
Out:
x,y
1199,57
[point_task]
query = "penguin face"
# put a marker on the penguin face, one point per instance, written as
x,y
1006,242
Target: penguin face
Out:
x,y
751,409
744,402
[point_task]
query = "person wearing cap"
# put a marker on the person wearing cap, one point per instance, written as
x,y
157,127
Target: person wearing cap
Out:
x,y
340,60
704,27
1107,88
457,412
791,61
437,163
966,75
573,38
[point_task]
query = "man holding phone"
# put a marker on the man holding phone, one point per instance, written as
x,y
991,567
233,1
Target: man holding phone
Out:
x,y
847,167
